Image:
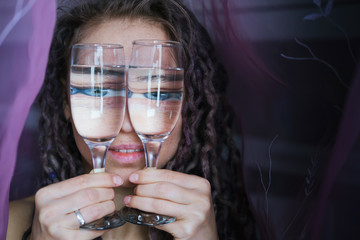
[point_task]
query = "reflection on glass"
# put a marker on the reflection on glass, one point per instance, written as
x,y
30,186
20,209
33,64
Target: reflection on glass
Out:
x,y
155,98
98,100
155,93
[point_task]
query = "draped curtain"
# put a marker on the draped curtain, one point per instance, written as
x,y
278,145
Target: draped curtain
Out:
x,y
25,34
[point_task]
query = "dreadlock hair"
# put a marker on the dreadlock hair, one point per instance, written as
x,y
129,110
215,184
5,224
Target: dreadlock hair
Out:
x,y
206,147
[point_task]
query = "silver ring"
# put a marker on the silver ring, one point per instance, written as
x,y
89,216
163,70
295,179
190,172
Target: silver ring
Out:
x,y
79,217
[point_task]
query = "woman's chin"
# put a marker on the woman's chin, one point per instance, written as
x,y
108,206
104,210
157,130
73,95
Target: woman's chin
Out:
x,y
128,184
124,173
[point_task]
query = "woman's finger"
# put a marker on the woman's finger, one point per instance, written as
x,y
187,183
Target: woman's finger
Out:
x,y
150,175
196,219
75,184
89,214
159,206
83,198
178,229
166,191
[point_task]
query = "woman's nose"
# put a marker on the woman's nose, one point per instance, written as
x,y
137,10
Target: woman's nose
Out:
x,y
127,126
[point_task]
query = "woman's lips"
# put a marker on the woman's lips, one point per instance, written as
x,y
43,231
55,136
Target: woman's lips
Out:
x,y
126,153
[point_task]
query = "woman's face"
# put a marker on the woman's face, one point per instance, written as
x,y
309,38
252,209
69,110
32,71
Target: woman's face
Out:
x,y
126,153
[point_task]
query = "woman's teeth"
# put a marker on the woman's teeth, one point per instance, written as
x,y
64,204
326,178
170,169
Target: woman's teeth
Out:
x,y
127,150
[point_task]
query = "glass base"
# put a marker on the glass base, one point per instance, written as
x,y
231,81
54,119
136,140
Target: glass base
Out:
x,y
108,222
138,217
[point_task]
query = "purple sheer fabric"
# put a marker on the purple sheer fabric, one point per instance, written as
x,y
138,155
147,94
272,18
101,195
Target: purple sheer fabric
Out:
x,y
347,135
295,91
26,31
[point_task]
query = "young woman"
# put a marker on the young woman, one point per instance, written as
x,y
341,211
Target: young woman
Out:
x,y
198,180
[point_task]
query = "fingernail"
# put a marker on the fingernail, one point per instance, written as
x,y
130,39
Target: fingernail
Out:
x,y
134,177
117,180
127,200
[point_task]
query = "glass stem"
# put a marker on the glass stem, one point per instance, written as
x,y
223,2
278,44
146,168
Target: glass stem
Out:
x,y
152,150
98,154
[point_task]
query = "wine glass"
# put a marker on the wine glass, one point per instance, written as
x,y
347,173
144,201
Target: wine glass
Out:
x,y
155,93
98,103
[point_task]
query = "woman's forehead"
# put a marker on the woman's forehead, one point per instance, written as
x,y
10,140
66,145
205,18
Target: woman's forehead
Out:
x,y
123,31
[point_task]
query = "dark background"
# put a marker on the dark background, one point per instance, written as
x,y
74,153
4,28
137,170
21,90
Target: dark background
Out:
x,y
291,82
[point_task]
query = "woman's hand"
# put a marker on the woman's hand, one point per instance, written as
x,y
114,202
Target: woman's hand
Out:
x,y
186,197
55,204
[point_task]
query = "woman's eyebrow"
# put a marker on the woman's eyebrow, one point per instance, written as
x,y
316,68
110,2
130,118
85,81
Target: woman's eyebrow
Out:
x,y
163,77
109,77
114,86
105,71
